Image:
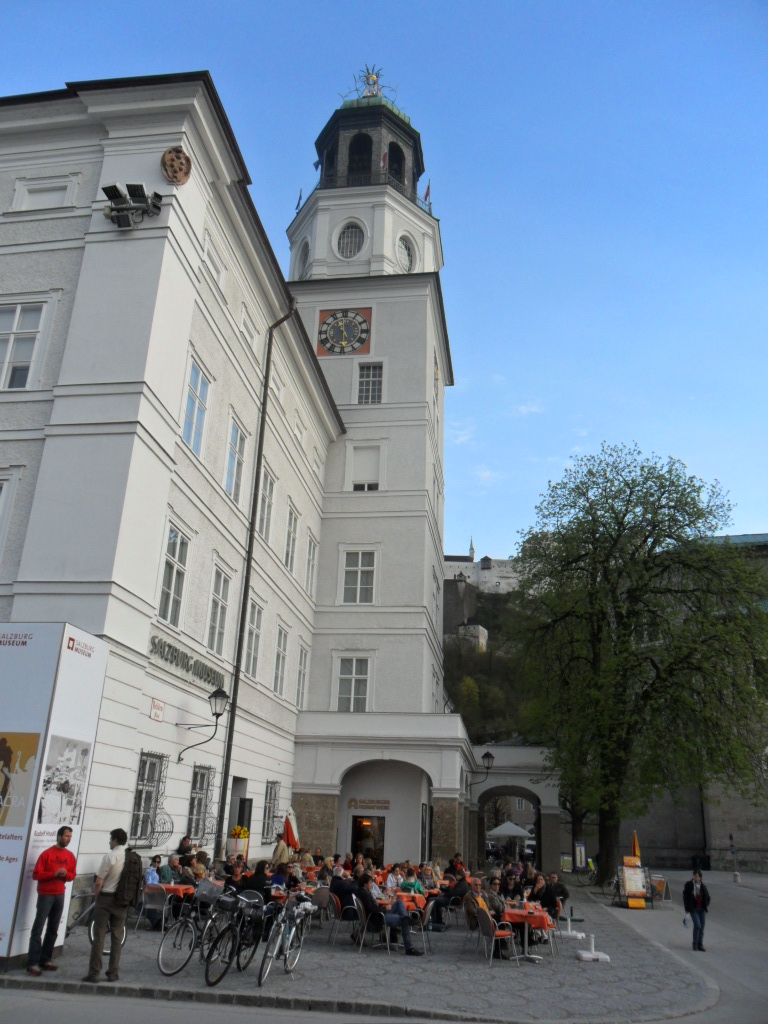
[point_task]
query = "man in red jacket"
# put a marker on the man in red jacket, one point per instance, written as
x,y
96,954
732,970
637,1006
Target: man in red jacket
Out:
x,y
55,867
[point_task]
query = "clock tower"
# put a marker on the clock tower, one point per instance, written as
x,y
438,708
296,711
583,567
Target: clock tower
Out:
x,y
364,269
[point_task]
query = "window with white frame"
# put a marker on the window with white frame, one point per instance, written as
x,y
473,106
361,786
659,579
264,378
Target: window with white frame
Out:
x,y
281,656
270,821
299,429
317,464
311,567
365,470
520,804
214,261
359,568
217,622
199,802
253,639
435,599
353,684
250,330
235,460
265,504
197,405
45,193
369,383
277,384
301,677
19,333
174,572
291,531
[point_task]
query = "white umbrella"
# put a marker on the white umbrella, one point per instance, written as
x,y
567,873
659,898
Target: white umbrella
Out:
x,y
509,830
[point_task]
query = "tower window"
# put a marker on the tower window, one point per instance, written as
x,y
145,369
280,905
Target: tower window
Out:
x,y
351,241
405,254
396,163
360,150
369,383
303,260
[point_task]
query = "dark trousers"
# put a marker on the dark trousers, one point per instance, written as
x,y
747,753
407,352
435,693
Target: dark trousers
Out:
x,y
107,917
441,902
398,918
698,917
49,909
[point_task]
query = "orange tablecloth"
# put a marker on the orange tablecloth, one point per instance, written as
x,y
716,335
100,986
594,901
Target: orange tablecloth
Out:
x,y
413,897
537,919
180,890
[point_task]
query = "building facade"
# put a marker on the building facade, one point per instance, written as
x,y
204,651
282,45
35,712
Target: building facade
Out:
x,y
152,370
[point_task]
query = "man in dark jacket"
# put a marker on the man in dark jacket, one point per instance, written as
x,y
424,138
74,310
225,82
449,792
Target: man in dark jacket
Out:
x,y
696,903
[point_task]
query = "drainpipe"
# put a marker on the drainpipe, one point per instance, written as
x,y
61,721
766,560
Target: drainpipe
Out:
x,y
245,599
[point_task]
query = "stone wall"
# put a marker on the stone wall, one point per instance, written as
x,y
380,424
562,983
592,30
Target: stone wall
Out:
x,y
316,816
445,828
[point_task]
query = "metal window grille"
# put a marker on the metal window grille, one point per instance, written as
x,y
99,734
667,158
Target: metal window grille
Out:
x,y
270,821
351,241
150,823
201,824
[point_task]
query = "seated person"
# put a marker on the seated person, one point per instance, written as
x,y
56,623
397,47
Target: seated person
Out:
x,y
455,864
323,875
511,887
260,880
544,894
558,888
202,864
348,862
237,879
342,887
318,858
474,899
496,902
396,917
457,889
280,876
188,872
170,873
394,878
152,874
411,883
185,846
228,864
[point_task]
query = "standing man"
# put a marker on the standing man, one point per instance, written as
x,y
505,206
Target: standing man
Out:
x,y
55,867
107,914
696,903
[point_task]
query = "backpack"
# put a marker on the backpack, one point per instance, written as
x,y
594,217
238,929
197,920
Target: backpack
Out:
x,y
131,881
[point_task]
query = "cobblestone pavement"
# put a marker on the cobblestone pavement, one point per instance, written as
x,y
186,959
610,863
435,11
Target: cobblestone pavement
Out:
x,y
642,982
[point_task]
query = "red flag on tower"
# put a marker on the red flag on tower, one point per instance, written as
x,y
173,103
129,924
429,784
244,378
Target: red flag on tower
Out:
x,y
428,192
384,160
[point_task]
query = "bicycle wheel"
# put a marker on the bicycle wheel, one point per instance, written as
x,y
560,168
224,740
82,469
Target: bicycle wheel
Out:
x,y
177,947
274,945
107,937
584,877
293,949
222,954
215,924
249,943
608,887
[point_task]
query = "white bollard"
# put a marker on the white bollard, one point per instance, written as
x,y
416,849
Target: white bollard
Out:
x,y
591,954
736,877
568,934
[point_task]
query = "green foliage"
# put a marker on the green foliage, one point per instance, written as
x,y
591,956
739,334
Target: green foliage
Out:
x,y
646,641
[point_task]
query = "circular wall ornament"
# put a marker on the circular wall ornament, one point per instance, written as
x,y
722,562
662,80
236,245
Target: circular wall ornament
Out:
x,y
176,165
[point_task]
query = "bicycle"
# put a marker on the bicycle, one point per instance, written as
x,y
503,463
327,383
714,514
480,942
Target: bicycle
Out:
x,y
588,877
86,919
237,941
198,926
286,937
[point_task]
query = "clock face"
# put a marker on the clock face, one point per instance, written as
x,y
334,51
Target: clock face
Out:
x,y
343,331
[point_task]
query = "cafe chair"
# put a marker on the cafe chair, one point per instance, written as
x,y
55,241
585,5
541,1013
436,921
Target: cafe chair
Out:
x,y
154,897
375,923
495,933
321,899
421,921
348,913
453,908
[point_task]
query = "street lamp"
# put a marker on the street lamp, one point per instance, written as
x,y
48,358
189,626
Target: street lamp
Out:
x,y
218,701
487,760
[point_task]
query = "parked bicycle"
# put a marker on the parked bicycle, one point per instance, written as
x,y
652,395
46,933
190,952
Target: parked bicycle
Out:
x,y
84,918
238,940
197,927
588,875
286,937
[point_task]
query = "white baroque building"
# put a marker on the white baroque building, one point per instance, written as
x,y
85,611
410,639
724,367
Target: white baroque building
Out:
x,y
134,379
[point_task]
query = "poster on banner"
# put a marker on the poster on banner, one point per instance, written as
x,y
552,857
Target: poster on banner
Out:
x,y
18,763
57,711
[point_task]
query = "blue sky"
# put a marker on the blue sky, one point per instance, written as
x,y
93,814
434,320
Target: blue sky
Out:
x,y
600,171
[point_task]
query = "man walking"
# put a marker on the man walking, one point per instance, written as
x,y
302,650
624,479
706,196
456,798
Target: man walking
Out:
x,y
696,903
107,914
55,867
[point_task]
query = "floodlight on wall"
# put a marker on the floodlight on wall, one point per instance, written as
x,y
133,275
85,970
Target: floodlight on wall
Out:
x,y
218,701
127,208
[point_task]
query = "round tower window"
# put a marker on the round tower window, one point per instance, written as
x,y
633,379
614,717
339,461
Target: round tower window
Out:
x,y
350,241
303,260
405,254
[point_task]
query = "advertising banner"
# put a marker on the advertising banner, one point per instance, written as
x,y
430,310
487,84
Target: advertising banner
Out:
x,y
52,675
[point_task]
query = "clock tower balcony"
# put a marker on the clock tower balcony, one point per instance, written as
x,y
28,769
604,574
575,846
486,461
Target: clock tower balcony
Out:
x,y
372,179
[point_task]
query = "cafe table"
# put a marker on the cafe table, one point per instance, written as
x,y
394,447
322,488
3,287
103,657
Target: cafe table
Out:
x,y
532,916
179,890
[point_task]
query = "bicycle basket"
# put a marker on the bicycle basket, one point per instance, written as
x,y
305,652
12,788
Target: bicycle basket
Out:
x,y
227,904
208,892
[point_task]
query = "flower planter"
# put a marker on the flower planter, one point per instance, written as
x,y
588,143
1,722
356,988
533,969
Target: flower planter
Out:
x,y
238,846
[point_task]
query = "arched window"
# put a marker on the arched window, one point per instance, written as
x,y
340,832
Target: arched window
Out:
x,y
360,149
303,260
396,163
